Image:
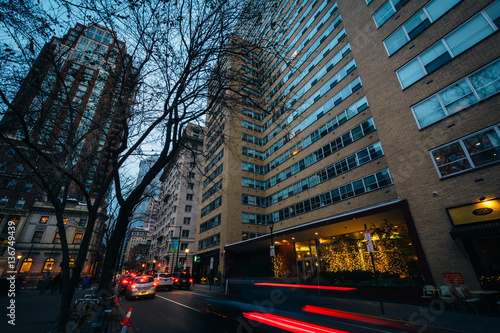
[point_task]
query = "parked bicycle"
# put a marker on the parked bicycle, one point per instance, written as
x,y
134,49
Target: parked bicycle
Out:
x,y
92,304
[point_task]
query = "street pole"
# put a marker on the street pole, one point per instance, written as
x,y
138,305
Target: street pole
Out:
x,y
178,245
375,272
271,248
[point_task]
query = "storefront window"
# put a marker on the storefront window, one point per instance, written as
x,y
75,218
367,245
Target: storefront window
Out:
x,y
344,258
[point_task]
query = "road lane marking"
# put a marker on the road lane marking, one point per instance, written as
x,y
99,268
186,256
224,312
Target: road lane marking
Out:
x,y
184,305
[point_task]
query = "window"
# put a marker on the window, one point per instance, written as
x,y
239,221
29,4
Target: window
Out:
x,y
475,87
37,237
189,197
175,209
57,238
26,265
19,170
44,219
387,10
188,209
3,167
48,265
20,204
82,222
27,187
473,151
78,238
464,37
3,202
65,220
187,220
11,185
190,186
191,175
185,233
417,23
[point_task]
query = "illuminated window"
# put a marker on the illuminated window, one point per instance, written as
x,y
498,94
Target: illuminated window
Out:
x,y
57,239
65,220
44,219
26,265
71,262
49,265
77,239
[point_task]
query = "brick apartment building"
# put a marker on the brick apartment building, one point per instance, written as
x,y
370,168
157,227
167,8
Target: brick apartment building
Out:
x,y
375,113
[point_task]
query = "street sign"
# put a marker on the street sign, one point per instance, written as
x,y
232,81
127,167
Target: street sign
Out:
x,y
211,262
368,236
272,252
369,246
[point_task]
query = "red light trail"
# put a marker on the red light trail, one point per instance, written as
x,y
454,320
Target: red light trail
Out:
x,y
290,325
304,286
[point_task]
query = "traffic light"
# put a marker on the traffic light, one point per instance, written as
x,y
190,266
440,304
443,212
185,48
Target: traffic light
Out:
x,y
159,265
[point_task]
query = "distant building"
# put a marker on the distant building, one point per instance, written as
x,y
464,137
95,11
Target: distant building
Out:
x,y
151,191
174,232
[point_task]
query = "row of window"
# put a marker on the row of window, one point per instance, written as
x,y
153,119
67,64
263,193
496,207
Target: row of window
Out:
x,y
209,242
37,238
340,142
213,175
211,191
210,224
45,219
353,161
459,40
48,265
5,201
468,91
358,187
11,185
467,153
417,23
211,206
321,131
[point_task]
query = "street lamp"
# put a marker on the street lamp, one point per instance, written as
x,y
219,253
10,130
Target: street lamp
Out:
x,y
19,256
185,263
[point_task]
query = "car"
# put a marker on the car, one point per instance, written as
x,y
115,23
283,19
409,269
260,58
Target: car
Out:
x,y
124,281
141,286
181,280
164,281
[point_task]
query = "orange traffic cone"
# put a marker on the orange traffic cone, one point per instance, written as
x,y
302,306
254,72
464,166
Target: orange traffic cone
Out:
x,y
127,318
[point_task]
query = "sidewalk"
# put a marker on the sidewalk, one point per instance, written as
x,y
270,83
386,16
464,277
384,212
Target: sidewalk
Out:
x,y
415,317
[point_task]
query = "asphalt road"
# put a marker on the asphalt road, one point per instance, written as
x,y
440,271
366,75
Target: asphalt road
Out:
x,y
193,311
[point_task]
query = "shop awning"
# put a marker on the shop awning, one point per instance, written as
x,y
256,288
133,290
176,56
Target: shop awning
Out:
x,y
476,230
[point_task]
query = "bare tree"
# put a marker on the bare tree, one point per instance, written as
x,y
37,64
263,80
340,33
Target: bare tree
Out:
x,y
184,54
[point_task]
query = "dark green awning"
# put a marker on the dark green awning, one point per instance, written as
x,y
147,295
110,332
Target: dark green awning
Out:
x,y
476,230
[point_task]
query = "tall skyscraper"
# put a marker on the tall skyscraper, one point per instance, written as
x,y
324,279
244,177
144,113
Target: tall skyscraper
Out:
x,y
376,115
74,103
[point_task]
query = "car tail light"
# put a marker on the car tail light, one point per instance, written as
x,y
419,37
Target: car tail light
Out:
x,y
158,278
133,286
190,280
142,280
124,281
155,284
176,280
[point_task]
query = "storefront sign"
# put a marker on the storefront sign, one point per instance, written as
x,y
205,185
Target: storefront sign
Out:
x,y
454,278
479,212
